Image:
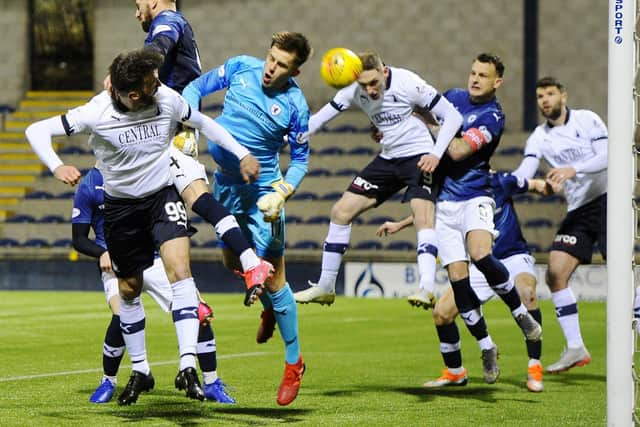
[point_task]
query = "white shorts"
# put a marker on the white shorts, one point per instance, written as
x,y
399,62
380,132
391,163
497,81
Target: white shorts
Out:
x,y
154,282
185,169
455,219
515,264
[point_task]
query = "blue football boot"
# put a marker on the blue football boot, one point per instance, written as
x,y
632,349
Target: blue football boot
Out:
x,y
104,392
216,391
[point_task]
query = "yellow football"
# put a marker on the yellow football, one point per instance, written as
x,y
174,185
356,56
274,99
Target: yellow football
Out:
x,y
340,67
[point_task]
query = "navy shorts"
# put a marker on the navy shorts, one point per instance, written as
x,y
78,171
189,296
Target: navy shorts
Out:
x,y
582,229
382,178
134,229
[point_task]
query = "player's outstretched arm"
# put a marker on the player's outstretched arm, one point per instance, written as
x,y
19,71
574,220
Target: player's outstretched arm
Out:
x,y
392,227
39,135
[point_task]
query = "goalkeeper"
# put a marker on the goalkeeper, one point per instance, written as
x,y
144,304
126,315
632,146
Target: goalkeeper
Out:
x,y
263,104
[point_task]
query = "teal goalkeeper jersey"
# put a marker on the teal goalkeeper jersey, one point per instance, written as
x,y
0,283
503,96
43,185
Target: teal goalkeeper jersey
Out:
x,y
257,118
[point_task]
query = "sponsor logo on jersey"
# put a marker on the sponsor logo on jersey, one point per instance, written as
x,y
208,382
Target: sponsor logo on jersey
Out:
x,y
75,212
472,118
140,134
364,184
566,239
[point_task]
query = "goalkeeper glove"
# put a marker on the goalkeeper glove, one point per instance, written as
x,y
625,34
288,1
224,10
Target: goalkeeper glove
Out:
x,y
270,204
187,142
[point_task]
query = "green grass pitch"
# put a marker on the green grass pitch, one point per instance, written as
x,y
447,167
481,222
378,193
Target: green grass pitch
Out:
x,y
366,361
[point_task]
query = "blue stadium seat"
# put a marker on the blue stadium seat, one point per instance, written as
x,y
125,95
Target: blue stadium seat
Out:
x,y
9,243
362,151
319,172
379,220
368,245
66,194
22,218
511,151
523,198
52,219
72,150
39,195
401,245
346,129
213,243
331,151
347,172
35,243
554,198
196,219
397,197
334,195
318,219
538,223
305,244
304,195
534,247
62,243
293,219
212,107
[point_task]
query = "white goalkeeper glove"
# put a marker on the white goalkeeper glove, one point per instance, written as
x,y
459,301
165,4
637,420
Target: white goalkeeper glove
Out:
x,y
271,204
187,142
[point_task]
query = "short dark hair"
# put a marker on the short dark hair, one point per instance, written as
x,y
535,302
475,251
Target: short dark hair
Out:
x,y
128,70
293,42
371,60
549,81
490,58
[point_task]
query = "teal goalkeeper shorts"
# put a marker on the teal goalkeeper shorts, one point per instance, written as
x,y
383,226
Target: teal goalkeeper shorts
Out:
x,y
268,238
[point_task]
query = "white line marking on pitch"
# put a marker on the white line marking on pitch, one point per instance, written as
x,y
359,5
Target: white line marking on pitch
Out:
x,y
89,371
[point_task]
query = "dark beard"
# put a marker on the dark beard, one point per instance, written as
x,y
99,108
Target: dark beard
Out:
x,y
119,106
145,26
554,114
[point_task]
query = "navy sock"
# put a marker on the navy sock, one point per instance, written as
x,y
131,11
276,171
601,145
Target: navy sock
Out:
x,y
534,348
206,349
214,212
469,308
113,348
450,344
497,276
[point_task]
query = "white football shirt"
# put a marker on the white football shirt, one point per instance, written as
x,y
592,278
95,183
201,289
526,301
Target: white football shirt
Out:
x,y
131,148
404,134
568,145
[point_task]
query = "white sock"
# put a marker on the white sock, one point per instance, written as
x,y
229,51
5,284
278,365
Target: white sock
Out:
x,y
339,235
133,317
567,312
209,377
520,310
533,362
427,244
486,343
185,319
249,259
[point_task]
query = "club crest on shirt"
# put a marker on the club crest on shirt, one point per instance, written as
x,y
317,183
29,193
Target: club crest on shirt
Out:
x,y
275,109
472,118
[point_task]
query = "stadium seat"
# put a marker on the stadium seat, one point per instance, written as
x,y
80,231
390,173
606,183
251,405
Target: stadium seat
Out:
x,y
52,219
538,222
347,172
210,244
9,243
35,243
319,172
534,247
72,150
511,151
304,195
318,219
293,219
62,243
331,151
368,245
397,197
305,244
523,198
66,194
346,129
554,198
196,219
39,195
362,151
401,245
23,218
379,220
333,195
